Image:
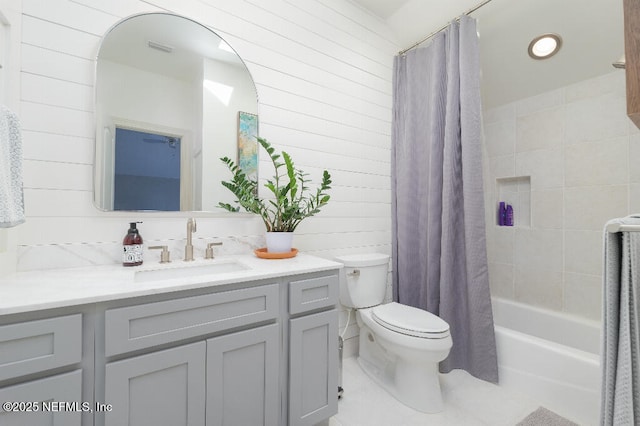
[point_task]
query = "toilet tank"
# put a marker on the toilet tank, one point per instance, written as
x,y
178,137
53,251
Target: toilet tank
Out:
x,y
363,282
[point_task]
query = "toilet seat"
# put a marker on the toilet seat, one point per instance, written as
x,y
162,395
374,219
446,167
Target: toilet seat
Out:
x,y
410,321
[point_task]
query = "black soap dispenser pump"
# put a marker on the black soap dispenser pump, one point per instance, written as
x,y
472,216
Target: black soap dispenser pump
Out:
x,y
132,246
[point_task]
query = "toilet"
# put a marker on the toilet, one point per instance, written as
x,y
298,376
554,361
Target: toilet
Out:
x,y
400,346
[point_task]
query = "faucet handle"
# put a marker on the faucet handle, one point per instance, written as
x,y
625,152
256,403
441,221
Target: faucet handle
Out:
x,y
165,255
208,254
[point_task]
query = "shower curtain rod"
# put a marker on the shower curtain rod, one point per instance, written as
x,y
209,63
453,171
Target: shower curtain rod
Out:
x,y
413,46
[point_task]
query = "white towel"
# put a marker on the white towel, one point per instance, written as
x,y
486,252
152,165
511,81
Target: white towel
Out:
x,y
11,195
620,396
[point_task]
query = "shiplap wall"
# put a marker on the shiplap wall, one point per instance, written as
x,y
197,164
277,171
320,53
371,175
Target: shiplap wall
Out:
x,y
10,30
323,71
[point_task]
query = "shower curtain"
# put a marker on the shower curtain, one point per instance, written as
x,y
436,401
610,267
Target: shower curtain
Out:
x,y
620,388
438,241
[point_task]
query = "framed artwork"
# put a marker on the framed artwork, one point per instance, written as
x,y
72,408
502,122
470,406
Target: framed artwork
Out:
x,y
248,144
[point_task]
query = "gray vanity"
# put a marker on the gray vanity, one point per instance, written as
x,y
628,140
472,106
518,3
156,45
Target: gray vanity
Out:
x,y
107,346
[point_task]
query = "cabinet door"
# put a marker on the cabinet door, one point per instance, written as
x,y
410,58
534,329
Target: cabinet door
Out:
x,y
161,388
243,379
65,388
313,368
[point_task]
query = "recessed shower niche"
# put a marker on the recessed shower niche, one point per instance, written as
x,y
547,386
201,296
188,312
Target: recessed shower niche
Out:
x,y
515,191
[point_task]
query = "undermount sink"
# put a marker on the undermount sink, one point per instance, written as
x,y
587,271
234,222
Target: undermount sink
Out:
x,y
188,271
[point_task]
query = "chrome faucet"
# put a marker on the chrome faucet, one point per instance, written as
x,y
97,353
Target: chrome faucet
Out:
x,y
188,249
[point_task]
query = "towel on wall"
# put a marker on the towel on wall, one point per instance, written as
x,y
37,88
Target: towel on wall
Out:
x,y
620,363
11,195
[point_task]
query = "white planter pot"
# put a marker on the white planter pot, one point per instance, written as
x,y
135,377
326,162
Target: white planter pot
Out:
x,y
279,242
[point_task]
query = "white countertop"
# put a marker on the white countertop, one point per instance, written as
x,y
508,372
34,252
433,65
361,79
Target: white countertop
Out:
x,y
36,290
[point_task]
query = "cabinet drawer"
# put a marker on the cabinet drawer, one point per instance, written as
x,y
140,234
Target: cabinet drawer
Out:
x,y
33,346
61,388
142,326
314,293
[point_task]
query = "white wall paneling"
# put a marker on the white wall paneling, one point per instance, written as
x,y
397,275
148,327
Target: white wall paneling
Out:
x,y
10,52
323,70
40,145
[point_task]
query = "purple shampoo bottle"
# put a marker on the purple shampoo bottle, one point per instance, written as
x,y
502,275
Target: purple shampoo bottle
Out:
x,y
508,220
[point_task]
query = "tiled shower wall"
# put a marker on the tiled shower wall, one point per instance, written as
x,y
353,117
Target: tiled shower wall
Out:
x,y
581,154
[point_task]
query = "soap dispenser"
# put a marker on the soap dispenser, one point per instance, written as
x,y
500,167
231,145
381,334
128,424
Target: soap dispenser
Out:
x,y
132,247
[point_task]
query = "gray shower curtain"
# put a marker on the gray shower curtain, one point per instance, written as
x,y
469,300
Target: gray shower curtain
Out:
x,y
439,252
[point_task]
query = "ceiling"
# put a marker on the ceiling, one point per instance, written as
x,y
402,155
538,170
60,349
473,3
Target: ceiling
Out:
x,y
382,8
592,33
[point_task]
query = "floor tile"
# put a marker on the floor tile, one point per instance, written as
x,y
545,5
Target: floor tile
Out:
x,y
468,402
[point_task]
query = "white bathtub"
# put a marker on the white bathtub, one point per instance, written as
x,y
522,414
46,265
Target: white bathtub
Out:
x,y
551,357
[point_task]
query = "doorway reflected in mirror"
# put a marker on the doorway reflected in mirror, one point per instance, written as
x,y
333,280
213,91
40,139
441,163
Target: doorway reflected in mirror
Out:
x,y
147,171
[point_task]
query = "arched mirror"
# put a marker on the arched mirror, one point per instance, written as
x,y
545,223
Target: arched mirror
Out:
x,y
171,96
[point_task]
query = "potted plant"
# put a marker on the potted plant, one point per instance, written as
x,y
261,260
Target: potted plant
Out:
x,y
291,199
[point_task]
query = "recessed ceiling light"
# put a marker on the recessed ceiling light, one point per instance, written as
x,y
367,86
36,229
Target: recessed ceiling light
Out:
x,y
545,46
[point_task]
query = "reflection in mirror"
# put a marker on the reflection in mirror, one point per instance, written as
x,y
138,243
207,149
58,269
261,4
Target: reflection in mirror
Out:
x,y
153,184
168,95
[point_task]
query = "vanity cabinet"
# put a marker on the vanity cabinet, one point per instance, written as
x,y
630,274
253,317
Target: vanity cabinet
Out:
x,y
260,352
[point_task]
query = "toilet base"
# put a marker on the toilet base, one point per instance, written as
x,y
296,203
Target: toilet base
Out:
x,y
416,386
418,390
419,386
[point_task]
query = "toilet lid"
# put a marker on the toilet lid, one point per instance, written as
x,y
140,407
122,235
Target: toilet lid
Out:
x,y
409,320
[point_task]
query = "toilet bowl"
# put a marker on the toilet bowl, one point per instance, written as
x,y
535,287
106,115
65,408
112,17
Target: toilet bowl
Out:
x,y
400,346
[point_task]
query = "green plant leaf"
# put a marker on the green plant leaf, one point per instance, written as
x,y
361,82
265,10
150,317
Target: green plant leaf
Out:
x,y
292,200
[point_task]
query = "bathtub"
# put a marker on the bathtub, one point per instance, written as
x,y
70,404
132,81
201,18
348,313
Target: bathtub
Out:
x,y
551,357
